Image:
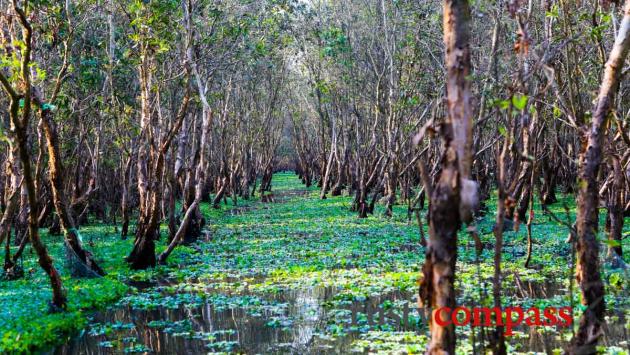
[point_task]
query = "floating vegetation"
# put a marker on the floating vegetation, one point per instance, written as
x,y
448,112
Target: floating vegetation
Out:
x,y
305,275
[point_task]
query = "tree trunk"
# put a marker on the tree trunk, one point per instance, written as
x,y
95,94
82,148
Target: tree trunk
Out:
x,y
45,261
615,211
437,287
193,221
151,154
222,187
588,266
392,183
11,192
20,128
85,265
124,200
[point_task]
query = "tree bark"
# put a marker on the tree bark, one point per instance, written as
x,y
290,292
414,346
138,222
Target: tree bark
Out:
x,y
193,216
588,266
124,199
615,211
437,287
19,126
142,255
66,221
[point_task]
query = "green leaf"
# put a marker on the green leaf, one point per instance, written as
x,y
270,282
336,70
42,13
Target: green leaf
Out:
x,y
556,112
615,279
612,243
504,104
519,101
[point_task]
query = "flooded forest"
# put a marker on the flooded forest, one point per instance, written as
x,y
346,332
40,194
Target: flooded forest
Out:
x,y
314,177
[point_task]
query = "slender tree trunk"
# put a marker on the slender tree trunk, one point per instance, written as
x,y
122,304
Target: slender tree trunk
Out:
x,y
45,261
221,191
437,287
20,128
21,221
615,211
588,266
142,255
124,200
392,183
333,147
66,221
192,216
530,217
499,340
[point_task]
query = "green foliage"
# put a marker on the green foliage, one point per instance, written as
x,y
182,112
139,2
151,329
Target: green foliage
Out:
x,y
25,321
335,42
155,23
554,12
519,101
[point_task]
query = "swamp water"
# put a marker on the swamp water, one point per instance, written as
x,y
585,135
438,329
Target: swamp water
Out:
x,y
193,317
164,318
287,322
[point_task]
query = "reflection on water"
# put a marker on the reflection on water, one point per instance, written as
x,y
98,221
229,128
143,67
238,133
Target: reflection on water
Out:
x,y
205,329
296,325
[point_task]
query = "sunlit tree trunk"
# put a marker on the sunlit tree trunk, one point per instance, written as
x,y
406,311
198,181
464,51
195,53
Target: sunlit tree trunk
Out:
x,y
55,171
588,265
19,127
11,194
151,161
192,215
445,211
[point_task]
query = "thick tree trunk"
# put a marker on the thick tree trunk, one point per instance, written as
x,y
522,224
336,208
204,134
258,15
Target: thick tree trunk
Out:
x,y
341,180
12,190
548,186
437,286
588,266
360,200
